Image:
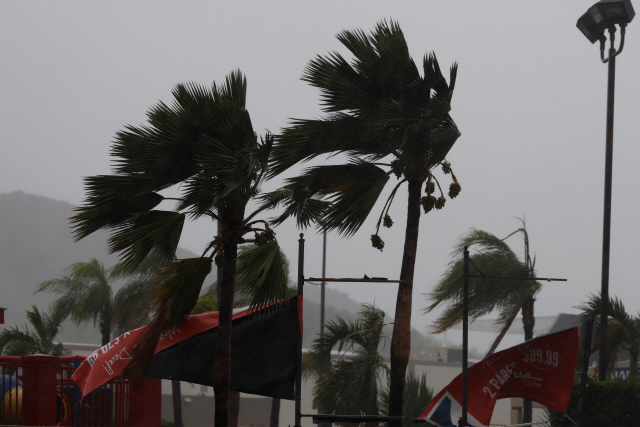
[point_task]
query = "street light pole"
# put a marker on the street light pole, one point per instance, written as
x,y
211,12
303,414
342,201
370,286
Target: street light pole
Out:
x,y
605,15
606,224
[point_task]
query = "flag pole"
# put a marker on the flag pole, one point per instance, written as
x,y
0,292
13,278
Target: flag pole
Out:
x,y
299,369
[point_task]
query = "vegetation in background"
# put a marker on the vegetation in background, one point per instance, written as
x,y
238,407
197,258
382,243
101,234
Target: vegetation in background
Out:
x,y
37,340
389,121
494,258
416,398
87,295
610,403
623,333
348,385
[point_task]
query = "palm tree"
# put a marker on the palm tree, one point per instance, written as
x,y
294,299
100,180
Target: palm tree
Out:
x,y
348,385
204,143
416,397
87,295
389,121
39,340
494,258
624,332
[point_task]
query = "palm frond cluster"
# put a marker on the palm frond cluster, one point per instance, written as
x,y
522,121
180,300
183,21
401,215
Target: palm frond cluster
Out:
x,y
204,142
384,116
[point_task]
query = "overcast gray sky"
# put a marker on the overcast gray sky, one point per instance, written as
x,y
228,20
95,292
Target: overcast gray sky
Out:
x,y
530,101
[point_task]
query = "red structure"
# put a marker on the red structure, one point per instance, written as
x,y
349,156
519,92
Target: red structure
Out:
x,y
2,310
38,391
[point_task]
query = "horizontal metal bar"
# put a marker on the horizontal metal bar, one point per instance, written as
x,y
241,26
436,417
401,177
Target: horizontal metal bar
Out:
x,y
345,279
335,418
548,279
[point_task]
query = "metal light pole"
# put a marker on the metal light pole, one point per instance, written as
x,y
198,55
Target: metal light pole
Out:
x,y
602,16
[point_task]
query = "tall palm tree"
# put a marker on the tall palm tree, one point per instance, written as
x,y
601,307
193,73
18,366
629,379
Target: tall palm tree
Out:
x,y
38,340
624,332
87,295
388,120
204,143
494,258
348,385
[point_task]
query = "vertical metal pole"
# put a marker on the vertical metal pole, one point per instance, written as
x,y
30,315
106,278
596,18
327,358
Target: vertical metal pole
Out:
x,y
465,335
218,275
606,229
322,285
300,293
588,328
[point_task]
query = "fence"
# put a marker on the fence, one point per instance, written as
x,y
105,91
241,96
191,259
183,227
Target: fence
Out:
x,y
38,391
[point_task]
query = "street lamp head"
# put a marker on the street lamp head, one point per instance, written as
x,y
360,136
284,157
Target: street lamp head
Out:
x,y
603,15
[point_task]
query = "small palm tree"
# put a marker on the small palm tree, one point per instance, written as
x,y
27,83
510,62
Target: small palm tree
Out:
x,y
38,340
204,145
388,120
494,258
348,385
87,295
416,397
623,332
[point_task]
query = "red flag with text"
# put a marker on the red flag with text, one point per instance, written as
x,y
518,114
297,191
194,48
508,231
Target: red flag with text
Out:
x,y
541,370
264,346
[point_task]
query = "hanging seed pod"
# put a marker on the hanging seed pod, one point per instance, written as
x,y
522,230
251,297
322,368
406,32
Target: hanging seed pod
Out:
x,y
454,190
428,202
440,202
219,259
387,221
431,187
446,167
377,242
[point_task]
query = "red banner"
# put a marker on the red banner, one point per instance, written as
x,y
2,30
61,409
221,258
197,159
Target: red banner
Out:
x,y
110,360
541,370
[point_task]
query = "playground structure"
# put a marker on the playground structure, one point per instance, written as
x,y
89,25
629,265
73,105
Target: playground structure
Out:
x,y
38,391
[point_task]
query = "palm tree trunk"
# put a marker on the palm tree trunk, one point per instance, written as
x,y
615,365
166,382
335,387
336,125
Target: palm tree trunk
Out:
x,y
633,362
528,322
503,332
275,412
234,408
105,329
401,339
222,365
177,403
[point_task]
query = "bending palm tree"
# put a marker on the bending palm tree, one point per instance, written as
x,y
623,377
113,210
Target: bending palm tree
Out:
x,y
205,143
624,332
389,121
39,340
494,258
87,295
350,384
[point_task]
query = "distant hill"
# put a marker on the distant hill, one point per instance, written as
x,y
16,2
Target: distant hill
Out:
x,y
36,245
